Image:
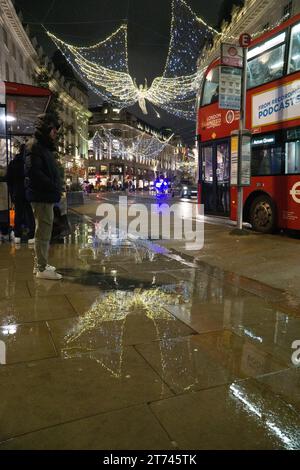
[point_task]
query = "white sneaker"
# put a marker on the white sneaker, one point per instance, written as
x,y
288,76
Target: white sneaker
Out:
x,y
17,241
48,268
49,275
31,241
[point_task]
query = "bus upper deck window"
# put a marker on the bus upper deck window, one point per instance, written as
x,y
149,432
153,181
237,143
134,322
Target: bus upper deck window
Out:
x,y
211,87
294,58
266,62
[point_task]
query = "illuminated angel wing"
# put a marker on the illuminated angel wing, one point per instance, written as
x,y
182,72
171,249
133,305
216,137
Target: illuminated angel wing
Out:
x,y
176,90
104,67
116,87
175,95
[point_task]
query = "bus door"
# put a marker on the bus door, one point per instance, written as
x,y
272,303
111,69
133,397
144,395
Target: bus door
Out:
x,y
216,177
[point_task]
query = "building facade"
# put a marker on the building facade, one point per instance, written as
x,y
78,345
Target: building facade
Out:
x,y
21,61
18,58
124,149
255,17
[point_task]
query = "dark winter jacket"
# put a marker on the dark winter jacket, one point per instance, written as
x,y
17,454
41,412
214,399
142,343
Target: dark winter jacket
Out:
x,y
42,179
15,178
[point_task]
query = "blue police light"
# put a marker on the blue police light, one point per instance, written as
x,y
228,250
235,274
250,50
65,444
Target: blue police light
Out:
x,y
161,185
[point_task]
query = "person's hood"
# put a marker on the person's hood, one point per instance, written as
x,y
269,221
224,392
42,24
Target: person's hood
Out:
x,y
45,123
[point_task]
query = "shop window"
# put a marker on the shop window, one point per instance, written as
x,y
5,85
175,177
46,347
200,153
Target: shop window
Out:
x,y
92,170
267,161
211,87
292,159
294,58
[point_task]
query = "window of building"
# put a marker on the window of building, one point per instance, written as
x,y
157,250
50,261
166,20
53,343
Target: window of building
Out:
x,y
103,169
294,57
5,37
116,144
267,160
92,171
21,61
288,9
7,74
29,72
14,50
211,87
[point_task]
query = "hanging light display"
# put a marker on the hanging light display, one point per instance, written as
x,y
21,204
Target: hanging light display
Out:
x,y
104,66
142,147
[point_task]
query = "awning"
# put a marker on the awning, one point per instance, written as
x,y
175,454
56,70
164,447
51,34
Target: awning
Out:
x,y
23,104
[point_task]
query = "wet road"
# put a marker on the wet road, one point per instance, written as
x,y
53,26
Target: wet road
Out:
x,y
139,348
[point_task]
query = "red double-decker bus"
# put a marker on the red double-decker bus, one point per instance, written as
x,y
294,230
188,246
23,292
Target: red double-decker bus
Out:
x,y
273,116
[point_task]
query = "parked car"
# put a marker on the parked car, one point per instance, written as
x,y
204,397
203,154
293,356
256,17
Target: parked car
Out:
x,y
189,191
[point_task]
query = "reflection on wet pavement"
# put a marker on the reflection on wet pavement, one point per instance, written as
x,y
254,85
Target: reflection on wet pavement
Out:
x,y
238,416
201,357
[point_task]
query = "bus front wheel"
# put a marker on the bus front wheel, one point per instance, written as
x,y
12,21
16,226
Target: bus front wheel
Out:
x,y
263,215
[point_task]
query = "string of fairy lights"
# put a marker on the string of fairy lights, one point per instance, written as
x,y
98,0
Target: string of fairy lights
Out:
x,y
142,147
104,66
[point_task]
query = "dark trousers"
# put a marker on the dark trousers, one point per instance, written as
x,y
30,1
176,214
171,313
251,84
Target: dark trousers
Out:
x,y
24,217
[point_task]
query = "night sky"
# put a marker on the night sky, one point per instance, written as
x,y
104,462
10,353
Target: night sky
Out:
x,y
86,22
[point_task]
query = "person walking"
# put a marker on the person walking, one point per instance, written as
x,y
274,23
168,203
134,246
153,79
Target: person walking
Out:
x,y
16,184
43,190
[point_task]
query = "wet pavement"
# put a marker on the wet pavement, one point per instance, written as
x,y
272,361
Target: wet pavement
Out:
x,y
140,348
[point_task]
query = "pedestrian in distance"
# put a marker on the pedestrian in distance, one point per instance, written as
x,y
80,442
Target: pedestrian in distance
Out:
x,y
43,190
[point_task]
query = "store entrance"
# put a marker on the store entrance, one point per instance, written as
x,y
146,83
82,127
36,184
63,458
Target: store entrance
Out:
x,y
216,177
